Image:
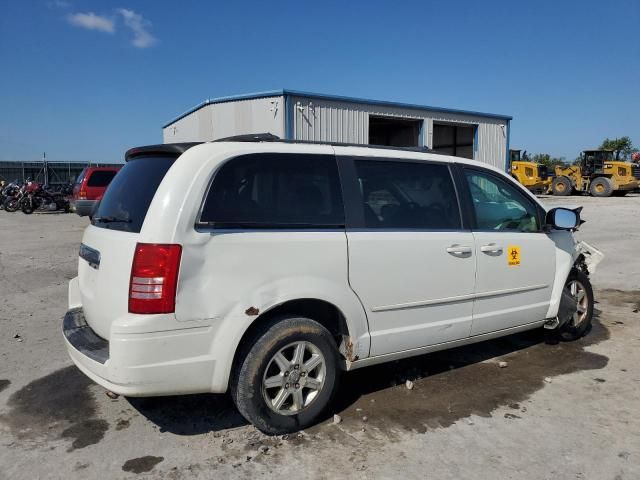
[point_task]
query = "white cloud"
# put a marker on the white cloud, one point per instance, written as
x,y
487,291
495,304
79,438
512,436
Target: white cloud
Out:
x,y
91,21
142,38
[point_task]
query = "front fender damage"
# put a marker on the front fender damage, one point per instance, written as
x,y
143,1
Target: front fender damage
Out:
x,y
586,260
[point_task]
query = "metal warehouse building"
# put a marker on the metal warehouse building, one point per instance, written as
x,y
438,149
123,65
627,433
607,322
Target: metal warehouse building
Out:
x,y
296,115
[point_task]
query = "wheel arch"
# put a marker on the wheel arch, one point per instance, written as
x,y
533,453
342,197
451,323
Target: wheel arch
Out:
x,y
342,314
323,311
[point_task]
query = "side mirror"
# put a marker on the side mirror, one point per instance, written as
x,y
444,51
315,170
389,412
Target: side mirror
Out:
x,y
564,218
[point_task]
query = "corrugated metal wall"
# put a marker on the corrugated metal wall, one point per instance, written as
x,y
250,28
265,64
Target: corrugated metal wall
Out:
x,y
334,121
219,120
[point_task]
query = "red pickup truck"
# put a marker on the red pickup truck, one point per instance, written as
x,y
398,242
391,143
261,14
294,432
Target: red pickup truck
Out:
x,y
90,187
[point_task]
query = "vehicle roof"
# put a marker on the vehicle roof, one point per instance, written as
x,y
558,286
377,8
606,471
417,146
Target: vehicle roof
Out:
x,y
253,143
210,148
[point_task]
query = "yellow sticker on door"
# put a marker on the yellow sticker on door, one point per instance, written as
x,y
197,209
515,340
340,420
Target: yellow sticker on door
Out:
x,y
513,255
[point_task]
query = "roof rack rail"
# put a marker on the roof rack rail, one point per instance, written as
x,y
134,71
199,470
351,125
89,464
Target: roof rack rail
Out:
x,y
270,137
251,137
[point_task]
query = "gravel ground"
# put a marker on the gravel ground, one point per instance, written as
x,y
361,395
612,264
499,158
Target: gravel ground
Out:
x,y
556,411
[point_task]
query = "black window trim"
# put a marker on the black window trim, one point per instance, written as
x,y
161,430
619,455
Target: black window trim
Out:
x,y
353,201
221,227
470,210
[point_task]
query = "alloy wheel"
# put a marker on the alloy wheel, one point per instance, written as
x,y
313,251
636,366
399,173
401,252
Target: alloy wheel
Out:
x,y
579,294
293,378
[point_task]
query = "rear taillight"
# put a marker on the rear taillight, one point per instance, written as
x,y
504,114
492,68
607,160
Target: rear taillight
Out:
x,y
154,277
82,194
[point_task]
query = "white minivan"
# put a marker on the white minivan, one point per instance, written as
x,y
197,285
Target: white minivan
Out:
x,y
265,268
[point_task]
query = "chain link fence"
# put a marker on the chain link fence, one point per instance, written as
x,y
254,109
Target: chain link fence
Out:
x,y
46,173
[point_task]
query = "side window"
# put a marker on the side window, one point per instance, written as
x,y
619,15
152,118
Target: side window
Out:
x,y
499,205
275,190
407,195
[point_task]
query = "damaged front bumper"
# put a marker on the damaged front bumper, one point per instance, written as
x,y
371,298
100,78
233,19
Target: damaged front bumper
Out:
x,y
586,260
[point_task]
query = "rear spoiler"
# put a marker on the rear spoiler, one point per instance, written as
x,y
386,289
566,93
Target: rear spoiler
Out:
x,y
161,150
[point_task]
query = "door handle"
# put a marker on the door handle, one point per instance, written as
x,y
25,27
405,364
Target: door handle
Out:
x,y
491,248
459,250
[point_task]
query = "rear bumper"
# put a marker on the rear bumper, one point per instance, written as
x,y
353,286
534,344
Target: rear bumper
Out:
x,y
139,365
82,338
84,208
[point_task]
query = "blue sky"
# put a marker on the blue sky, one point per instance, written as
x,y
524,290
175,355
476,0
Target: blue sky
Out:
x,y
87,79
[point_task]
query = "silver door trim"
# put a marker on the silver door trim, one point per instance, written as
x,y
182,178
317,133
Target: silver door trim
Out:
x,y
457,298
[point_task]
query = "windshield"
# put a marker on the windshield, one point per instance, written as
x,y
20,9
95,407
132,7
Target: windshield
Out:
x,y
127,199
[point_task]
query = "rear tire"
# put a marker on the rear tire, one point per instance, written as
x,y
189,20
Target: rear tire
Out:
x,y
579,325
601,187
277,391
561,186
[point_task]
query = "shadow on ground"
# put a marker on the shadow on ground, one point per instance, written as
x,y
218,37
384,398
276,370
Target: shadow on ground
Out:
x,y
454,384
448,386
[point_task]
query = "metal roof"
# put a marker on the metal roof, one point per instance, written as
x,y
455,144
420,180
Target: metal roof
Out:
x,y
335,98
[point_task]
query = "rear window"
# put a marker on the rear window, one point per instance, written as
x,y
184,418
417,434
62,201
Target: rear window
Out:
x,y
126,201
100,178
275,191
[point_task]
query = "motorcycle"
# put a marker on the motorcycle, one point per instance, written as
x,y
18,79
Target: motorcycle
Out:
x,y
12,196
38,197
7,190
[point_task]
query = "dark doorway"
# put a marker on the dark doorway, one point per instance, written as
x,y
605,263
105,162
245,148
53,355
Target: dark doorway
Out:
x,y
453,139
394,132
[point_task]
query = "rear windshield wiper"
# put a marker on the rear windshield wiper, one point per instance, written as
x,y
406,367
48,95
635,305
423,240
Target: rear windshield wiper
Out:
x,y
111,220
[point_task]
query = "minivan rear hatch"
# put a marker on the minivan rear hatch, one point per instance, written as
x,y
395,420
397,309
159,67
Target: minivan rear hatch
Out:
x,y
109,243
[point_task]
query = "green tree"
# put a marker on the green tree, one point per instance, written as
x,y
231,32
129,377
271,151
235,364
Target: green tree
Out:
x,y
622,147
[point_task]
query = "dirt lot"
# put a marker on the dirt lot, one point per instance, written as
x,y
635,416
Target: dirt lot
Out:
x,y
557,411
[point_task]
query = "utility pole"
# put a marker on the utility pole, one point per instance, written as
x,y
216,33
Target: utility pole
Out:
x,y
45,168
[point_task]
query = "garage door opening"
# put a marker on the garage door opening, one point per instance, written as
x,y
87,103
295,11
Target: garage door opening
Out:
x,y
394,132
454,140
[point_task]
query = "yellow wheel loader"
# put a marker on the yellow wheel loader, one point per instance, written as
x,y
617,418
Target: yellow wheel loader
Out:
x,y
533,176
597,173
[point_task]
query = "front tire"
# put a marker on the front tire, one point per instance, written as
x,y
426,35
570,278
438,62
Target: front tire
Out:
x,y
286,375
561,186
11,204
601,187
579,287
